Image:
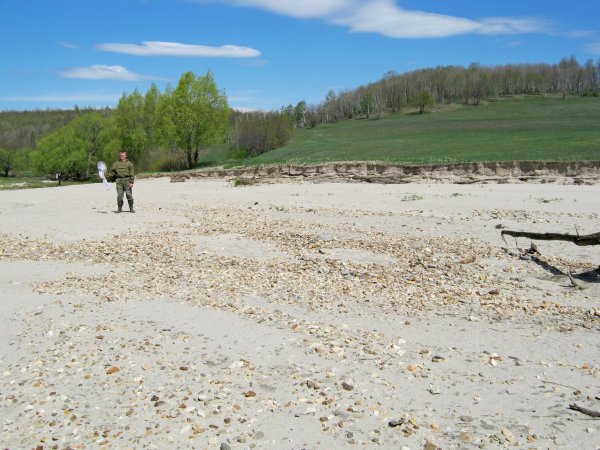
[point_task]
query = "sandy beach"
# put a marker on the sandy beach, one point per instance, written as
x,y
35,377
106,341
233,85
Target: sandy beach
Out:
x,y
298,316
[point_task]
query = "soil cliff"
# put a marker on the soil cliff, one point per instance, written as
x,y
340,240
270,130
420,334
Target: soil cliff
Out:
x,y
563,172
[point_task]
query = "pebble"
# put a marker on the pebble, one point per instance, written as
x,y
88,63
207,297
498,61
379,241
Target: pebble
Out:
x,y
258,435
396,423
348,313
431,445
509,436
347,386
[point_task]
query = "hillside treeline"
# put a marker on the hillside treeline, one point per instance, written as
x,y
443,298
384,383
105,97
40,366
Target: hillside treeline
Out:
x,y
254,133
456,84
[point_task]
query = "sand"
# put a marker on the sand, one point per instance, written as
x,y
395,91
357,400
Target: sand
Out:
x,y
298,315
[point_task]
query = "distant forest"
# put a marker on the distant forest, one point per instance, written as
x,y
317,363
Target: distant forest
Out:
x,y
256,132
469,85
23,129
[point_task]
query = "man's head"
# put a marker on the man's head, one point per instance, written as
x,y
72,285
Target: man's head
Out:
x,y
122,156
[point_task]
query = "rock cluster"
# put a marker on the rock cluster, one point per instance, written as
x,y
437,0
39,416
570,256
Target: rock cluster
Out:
x,y
329,336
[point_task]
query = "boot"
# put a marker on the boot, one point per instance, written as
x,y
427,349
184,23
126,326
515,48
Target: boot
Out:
x,y
131,210
119,207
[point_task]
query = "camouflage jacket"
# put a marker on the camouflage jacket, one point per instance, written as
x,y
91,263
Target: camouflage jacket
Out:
x,y
121,169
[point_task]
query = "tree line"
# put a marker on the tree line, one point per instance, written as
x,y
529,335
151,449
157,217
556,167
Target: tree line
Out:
x,y
20,131
447,84
254,133
159,130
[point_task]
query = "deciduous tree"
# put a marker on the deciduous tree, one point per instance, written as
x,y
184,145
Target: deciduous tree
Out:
x,y
7,160
423,99
194,115
74,149
131,126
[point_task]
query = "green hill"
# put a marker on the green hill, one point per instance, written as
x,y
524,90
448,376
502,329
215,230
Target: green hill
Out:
x,y
516,128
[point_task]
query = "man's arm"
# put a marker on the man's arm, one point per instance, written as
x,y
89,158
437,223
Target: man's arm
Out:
x,y
132,174
110,174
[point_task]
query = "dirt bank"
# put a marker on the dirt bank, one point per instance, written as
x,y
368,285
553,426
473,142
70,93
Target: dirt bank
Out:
x,y
562,172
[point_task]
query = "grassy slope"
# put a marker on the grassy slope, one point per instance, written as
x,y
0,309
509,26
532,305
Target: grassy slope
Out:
x,y
525,128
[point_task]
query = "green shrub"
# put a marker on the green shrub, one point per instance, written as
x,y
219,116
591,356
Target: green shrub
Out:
x,y
237,181
168,163
241,153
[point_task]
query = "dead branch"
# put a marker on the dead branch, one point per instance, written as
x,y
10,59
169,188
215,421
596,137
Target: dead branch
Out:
x,y
588,239
589,412
576,283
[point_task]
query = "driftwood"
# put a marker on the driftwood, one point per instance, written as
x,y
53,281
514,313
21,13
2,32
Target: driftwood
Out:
x,y
577,239
581,240
589,412
576,283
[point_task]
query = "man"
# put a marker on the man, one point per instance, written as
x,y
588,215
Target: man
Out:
x,y
122,173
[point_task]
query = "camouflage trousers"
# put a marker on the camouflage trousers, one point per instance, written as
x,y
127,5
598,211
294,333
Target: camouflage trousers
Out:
x,y
123,188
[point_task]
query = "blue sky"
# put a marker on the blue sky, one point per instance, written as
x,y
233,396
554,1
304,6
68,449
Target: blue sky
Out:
x,y
266,54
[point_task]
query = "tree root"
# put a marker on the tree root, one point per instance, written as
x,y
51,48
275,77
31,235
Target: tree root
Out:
x,y
589,412
588,239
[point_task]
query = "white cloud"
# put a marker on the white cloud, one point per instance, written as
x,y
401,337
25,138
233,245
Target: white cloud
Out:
x,y
577,34
255,63
245,109
387,18
102,72
158,48
245,96
297,8
513,44
68,98
248,100
593,48
511,25
67,44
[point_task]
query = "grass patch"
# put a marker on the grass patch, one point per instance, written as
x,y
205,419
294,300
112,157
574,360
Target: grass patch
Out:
x,y
35,182
237,181
9,183
521,128
411,198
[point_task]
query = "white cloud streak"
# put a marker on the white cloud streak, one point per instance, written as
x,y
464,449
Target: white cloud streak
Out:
x,y
593,48
298,8
159,48
58,98
102,72
67,44
387,18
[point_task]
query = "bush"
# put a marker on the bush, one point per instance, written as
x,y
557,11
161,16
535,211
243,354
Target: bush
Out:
x,y
237,181
168,163
241,153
